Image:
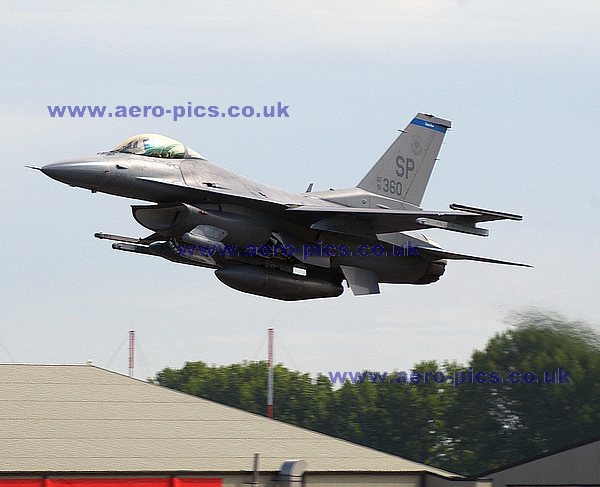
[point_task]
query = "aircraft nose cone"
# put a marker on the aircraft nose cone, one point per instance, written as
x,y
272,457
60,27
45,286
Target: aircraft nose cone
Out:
x,y
85,173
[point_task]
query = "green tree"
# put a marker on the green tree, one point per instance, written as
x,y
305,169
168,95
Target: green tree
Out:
x,y
495,424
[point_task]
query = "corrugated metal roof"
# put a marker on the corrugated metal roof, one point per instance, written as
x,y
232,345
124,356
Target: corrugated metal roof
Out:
x,y
81,418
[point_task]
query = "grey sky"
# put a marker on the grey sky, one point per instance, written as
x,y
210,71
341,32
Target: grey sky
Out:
x,y
519,80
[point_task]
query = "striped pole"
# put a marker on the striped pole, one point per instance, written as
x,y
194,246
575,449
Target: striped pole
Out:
x,y
270,383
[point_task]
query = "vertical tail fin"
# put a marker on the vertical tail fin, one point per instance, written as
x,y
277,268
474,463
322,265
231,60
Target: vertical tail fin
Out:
x,y
403,171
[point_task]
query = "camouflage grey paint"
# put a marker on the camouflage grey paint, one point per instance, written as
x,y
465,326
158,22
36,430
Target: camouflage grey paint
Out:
x,y
198,203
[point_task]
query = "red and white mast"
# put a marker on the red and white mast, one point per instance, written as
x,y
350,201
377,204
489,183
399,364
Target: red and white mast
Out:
x,y
270,382
131,351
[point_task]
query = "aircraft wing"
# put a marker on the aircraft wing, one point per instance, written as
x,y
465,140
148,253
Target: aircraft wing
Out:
x,y
360,221
344,219
215,195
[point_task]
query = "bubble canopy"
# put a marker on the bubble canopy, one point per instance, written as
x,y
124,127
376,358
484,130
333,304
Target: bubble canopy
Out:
x,y
155,145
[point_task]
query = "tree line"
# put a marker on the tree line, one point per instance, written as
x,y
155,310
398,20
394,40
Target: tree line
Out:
x,y
467,429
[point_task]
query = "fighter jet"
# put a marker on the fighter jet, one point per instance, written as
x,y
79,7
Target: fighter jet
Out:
x,y
281,245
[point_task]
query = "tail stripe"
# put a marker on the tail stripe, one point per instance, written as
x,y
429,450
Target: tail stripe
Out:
x,y
429,125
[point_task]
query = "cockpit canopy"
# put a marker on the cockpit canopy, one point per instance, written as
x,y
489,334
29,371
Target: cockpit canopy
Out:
x,y
154,145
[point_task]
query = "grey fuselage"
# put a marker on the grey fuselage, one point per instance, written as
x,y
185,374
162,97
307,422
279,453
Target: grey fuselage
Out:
x,y
249,214
282,245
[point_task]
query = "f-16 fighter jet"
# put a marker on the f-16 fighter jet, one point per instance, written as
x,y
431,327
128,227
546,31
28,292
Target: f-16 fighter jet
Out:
x,y
281,245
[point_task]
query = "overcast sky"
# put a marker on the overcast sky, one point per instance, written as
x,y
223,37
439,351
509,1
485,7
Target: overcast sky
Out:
x,y
519,80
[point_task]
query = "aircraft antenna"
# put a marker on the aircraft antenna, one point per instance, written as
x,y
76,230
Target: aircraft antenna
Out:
x,y
131,351
270,382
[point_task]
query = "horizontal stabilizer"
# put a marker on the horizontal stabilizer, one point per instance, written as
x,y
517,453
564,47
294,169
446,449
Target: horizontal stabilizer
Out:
x,y
488,215
345,219
444,254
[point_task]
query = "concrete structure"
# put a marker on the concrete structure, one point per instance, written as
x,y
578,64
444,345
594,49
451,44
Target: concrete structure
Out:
x,y
578,465
61,423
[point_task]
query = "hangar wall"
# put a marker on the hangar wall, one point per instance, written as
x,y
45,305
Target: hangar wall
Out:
x,y
111,482
243,480
362,480
578,465
437,481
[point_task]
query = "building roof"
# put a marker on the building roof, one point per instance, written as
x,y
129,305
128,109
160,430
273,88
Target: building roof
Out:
x,y
82,418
